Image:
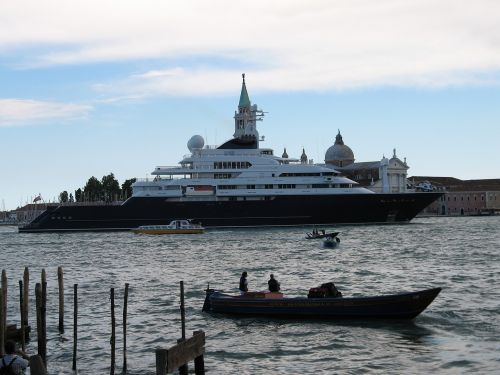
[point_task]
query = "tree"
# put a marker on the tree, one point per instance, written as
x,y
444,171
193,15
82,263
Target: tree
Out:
x,y
110,187
63,197
127,188
71,199
93,190
79,195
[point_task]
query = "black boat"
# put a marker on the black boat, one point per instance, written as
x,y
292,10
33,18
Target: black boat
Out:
x,y
321,234
238,184
274,305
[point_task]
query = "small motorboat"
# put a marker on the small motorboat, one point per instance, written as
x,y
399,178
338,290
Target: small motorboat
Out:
x,y
320,305
331,242
175,227
320,234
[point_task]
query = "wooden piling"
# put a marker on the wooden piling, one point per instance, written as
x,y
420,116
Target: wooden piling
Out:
x,y
21,307
183,369
2,326
183,312
75,323
4,299
26,281
125,303
161,361
39,329
60,282
112,370
44,317
36,365
199,362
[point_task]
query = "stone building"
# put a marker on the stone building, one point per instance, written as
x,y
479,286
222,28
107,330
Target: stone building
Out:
x,y
461,197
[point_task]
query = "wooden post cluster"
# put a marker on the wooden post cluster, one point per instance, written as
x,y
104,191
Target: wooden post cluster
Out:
x,y
178,356
174,359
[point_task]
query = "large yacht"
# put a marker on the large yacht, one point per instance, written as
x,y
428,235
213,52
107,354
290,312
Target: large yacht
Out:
x,y
238,184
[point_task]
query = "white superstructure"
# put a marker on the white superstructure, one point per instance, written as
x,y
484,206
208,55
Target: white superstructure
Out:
x,y
241,170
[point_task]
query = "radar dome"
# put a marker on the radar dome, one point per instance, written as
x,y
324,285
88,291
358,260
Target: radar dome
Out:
x,y
196,142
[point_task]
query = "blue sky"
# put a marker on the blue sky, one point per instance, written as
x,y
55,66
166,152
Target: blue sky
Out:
x,y
93,87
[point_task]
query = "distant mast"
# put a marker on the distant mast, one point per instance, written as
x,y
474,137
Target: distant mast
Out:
x,y
245,119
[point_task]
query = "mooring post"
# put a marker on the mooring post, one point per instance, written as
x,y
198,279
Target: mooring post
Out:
x,y
60,282
44,317
125,302
75,318
161,361
39,330
36,365
21,306
4,298
199,362
112,371
183,370
2,327
26,281
183,312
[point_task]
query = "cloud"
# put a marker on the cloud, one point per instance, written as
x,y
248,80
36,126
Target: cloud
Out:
x,y
282,45
22,111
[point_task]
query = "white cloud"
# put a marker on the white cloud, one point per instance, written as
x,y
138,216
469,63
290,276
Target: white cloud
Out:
x,y
22,111
283,45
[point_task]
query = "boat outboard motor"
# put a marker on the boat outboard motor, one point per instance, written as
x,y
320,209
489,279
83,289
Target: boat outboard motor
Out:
x,y
326,290
206,305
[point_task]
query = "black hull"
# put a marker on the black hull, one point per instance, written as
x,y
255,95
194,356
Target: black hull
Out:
x,y
397,306
281,211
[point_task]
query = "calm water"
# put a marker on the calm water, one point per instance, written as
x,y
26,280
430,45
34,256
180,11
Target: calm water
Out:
x,y
458,333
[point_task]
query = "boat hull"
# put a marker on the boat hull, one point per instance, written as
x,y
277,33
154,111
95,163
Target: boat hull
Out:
x,y
279,211
397,306
168,231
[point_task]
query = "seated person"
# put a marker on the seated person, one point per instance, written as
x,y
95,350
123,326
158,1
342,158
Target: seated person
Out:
x,y
11,358
274,285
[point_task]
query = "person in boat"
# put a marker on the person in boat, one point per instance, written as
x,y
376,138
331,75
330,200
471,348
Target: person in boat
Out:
x,y
15,359
323,231
274,285
243,283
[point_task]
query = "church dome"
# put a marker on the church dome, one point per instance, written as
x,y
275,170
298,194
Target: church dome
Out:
x,y
339,154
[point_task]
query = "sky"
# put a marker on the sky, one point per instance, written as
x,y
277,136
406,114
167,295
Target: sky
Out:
x,y
89,88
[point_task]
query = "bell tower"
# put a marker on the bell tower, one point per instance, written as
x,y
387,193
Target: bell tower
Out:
x,y
246,117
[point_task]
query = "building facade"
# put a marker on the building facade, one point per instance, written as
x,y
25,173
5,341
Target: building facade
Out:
x,y
461,197
381,176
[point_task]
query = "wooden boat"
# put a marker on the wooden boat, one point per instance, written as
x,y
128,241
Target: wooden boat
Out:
x,y
175,227
272,305
321,234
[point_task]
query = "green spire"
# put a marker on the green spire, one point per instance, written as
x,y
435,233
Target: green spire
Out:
x,y
244,99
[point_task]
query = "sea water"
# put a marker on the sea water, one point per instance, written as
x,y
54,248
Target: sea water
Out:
x,y
458,333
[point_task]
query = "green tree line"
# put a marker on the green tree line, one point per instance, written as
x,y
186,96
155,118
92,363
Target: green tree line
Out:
x,y
107,189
